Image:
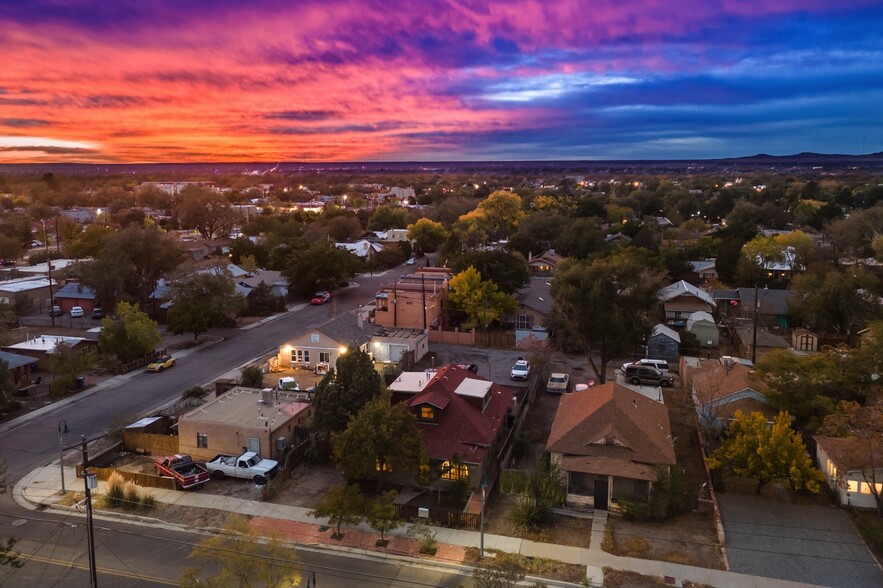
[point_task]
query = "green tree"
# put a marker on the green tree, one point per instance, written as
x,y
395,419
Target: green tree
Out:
x,y
378,440
252,377
7,388
507,270
427,235
320,267
581,238
497,215
341,505
130,334
766,452
206,211
343,228
67,364
142,254
344,391
383,515
388,217
481,300
836,300
8,555
538,492
607,303
240,557
88,243
202,301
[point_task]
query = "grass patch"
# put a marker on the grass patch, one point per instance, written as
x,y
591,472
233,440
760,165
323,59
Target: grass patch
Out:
x,y
622,579
534,566
871,528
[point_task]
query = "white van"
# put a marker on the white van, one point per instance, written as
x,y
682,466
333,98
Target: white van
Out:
x,y
659,364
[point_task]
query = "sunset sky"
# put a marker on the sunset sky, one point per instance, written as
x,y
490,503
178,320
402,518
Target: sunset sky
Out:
x,y
326,80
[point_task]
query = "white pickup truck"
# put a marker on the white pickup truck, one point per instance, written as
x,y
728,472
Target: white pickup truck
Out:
x,y
249,465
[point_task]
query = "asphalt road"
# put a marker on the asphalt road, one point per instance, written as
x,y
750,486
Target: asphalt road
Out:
x,y
25,445
55,550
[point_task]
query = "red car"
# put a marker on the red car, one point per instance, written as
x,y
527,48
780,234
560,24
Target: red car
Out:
x,y
321,297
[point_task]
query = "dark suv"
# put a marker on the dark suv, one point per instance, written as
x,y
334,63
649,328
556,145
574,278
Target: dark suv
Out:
x,y
642,374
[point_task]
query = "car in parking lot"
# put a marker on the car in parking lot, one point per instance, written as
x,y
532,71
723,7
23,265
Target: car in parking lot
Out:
x,y
644,374
521,369
659,364
412,261
321,297
163,362
98,313
77,312
55,311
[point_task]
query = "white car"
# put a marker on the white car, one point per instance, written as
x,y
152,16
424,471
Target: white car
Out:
x,y
77,312
521,369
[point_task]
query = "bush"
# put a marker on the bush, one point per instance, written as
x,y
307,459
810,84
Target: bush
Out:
x,y
61,384
121,493
116,491
426,536
252,377
193,392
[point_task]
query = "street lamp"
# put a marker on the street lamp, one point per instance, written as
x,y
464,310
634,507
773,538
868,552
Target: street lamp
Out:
x,y
62,429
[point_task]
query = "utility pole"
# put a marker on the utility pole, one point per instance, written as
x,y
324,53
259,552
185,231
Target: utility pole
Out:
x,y
423,291
754,329
89,480
51,299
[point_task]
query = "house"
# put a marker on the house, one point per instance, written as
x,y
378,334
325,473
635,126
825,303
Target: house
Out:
x,y
609,441
35,290
772,304
44,269
395,345
275,280
847,470
663,343
681,299
362,249
804,340
20,367
544,265
75,294
42,347
322,345
465,422
415,301
702,325
720,387
703,270
244,419
535,308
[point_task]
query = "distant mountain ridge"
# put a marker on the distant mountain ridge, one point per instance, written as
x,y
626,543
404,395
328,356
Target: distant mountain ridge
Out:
x,y
798,163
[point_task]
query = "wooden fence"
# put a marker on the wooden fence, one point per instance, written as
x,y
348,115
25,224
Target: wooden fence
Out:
x,y
444,518
150,443
451,336
495,339
139,478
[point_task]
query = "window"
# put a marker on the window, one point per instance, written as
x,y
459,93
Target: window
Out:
x,y
524,321
314,338
202,440
300,356
454,471
426,413
382,466
324,357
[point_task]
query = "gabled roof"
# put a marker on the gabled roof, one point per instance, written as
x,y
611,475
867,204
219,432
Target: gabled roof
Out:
x,y
360,248
537,295
698,316
703,265
639,426
719,381
461,426
684,288
661,329
549,257
846,453
345,330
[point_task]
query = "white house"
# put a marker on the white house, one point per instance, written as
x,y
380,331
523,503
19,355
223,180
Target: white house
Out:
x,y
846,472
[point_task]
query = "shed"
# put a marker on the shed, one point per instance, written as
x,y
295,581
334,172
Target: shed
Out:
x,y
663,342
703,326
804,340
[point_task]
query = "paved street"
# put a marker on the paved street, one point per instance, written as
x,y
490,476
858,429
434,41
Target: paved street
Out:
x,y
812,544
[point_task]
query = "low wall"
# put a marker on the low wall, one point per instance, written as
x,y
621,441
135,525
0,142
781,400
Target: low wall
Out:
x,y
141,479
150,443
452,337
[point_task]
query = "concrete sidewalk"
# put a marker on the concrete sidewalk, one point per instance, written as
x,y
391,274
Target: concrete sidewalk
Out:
x,y
42,487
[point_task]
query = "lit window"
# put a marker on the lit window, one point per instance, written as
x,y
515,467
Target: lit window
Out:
x,y
382,466
202,440
427,413
852,486
454,471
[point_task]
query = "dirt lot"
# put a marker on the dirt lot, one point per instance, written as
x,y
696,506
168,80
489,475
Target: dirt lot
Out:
x,y
686,539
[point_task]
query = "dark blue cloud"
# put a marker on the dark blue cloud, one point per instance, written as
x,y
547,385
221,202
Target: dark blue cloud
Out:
x,y
23,122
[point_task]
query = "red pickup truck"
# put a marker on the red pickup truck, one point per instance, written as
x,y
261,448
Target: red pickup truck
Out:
x,y
186,472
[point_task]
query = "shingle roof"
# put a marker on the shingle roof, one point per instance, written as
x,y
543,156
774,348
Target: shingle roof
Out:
x,y
640,426
345,330
661,329
846,453
461,428
720,381
14,360
769,300
76,291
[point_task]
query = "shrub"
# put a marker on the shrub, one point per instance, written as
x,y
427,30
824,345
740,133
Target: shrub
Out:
x,y
426,536
252,377
116,490
193,392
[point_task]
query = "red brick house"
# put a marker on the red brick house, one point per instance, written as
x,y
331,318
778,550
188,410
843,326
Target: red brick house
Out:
x,y
465,421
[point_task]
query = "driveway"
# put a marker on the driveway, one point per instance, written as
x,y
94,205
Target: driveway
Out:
x,y
812,544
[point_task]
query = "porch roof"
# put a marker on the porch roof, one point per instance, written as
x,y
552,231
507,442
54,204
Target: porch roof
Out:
x,y
606,466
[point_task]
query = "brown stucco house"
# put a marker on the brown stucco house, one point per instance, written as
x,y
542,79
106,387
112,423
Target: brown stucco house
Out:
x,y
609,441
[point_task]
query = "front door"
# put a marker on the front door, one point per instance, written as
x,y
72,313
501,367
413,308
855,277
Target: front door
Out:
x,y
601,493
254,444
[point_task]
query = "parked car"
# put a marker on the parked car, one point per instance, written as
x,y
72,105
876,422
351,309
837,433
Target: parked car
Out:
x,y
161,363
558,383
98,313
411,261
469,367
7,262
55,311
521,369
321,297
644,374
37,243
659,364
181,467
77,312
249,466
